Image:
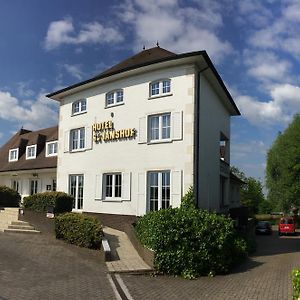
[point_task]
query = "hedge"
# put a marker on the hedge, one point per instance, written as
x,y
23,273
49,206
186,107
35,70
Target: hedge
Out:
x,y
296,284
81,230
191,242
61,202
9,197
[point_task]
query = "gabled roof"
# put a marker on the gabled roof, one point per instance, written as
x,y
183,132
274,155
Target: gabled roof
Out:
x,y
25,138
145,58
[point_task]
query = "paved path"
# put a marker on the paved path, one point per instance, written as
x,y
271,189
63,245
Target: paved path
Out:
x,y
40,267
264,276
125,257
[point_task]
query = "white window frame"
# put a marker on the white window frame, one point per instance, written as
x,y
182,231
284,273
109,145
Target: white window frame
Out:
x,y
29,148
160,128
115,97
159,187
78,199
48,145
113,186
15,150
160,89
81,135
36,185
82,107
16,185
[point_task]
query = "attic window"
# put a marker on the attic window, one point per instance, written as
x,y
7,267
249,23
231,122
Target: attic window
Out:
x,y
31,152
160,88
79,107
51,148
13,154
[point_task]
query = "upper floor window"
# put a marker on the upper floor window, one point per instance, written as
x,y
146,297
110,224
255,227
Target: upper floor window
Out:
x,y
114,98
31,152
160,87
160,127
77,139
13,154
79,106
51,148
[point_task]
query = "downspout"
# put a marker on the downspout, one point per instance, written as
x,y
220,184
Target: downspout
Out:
x,y
196,135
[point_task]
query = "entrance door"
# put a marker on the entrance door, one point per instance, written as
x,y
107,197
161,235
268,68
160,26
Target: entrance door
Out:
x,y
76,190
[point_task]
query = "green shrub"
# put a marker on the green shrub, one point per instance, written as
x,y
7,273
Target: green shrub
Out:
x,y
9,197
81,230
191,242
188,200
296,283
61,202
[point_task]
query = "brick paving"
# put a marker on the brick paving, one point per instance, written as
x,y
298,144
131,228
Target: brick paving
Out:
x,y
262,277
41,267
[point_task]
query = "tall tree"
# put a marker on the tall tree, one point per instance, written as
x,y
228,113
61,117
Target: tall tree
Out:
x,y
283,168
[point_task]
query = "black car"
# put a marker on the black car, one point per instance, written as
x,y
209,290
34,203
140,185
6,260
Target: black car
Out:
x,y
263,227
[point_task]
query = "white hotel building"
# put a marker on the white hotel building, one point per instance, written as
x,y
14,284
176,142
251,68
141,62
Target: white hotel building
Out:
x,y
137,136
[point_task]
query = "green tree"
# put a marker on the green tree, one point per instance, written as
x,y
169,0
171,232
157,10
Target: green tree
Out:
x,y
251,191
283,168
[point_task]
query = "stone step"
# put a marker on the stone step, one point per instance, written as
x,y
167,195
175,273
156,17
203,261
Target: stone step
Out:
x,y
21,231
19,223
29,227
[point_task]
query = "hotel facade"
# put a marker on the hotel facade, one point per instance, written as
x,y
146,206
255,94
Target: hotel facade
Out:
x,y
136,137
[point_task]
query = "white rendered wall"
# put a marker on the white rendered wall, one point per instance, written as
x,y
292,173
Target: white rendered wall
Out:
x,y
129,155
214,118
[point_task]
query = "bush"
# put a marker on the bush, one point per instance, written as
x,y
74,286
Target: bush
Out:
x,y
61,202
9,197
81,230
188,200
296,284
191,242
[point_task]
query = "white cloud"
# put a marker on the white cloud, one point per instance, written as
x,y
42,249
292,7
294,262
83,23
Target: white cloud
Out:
x,y
40,114
63,32
284,103
74,70
177,28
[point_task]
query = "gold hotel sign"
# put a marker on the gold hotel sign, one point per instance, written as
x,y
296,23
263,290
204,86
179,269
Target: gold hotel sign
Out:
x,y
105,131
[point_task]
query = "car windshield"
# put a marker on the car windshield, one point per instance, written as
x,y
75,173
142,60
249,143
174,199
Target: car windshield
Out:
x,y
287,221
262,224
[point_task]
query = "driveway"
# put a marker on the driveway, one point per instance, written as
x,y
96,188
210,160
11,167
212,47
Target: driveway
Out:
x,y
263,276
38,267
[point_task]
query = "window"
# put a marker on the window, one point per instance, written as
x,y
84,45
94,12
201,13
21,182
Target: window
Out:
x,y
112,185
114,98
160,87
16,185
160,127
13,154
76,190
158,190
51,148
79,106
31,152
77,139
33,186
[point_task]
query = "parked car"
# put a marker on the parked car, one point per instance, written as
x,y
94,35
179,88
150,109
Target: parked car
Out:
x,y
263,227
287,225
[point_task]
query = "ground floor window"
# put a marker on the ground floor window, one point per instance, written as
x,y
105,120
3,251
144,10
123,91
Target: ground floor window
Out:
x,y
54,185
76,190
33,186
158,190
112,185
15,185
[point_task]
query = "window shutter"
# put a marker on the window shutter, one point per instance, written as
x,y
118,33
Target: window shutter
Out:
x,y
67,141
26,186
126,185
98,187
141,192
88,137
176,192
142,130
177,127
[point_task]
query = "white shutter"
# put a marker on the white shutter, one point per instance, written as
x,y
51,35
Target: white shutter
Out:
x,y
141,192
142,130
176,188
126,186
67,141
98,187
88,137
177,127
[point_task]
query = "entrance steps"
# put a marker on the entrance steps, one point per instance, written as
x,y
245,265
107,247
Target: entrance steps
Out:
x,y
9,222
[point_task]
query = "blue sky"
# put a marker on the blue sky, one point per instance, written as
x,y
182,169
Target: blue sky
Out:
x,y
255,46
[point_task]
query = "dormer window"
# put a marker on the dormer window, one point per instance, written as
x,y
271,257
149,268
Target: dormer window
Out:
x,y
160,88
79,107
51,148
114,98
31,152
13,154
